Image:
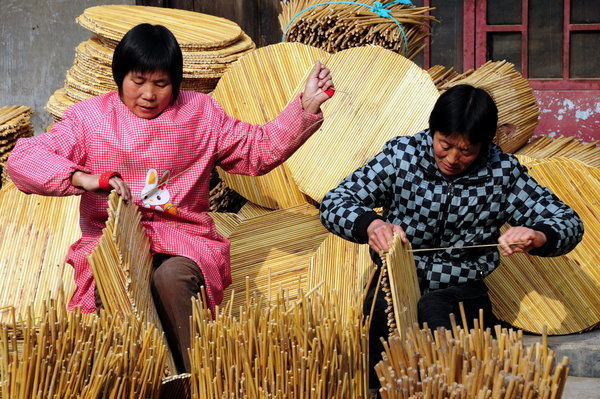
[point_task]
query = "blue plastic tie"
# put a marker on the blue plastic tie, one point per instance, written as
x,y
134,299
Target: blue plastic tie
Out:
x,y
377,7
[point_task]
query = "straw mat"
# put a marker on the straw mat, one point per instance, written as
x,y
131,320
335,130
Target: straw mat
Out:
x,y
122,265
562,292
518,110
379,95
255,89
35,235
193,31
569,147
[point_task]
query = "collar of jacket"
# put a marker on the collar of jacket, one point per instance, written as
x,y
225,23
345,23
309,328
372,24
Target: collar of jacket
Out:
x,y
480,170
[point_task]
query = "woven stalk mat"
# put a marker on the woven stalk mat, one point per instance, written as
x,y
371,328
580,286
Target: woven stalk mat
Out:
x,y
58,103
569,147
255,89
194,31
562,293
336,27
12,117
35,235
273,252
379,95
518,110
441,75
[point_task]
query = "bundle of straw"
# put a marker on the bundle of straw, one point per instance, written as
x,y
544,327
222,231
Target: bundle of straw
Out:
x,y
401,287
14,124
290,349
441,75
122,265
70,355
35,235
569,147
209,44
245,93
518,110
562,293
469,364
335,27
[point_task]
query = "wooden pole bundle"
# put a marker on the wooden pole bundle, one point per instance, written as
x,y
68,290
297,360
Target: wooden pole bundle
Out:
x,y
335,27
291,349
122,265
35,235
465,364
401,287
70,355
569,147
518,110
561,293
14,124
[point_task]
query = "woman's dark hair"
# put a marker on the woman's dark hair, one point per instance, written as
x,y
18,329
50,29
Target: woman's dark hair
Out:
x,y
466,110
148,48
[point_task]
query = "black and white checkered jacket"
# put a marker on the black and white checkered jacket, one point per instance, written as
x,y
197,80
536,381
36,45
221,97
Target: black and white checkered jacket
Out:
x,y
437,212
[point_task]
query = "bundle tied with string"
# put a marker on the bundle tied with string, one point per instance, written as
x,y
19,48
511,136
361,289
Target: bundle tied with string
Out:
x,y
338,25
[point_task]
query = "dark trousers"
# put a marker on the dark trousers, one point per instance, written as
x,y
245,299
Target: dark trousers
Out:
x,y
434,308
175,281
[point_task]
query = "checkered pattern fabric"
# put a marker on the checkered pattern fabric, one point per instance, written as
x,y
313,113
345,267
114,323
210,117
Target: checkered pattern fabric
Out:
x,y
189,138
438,212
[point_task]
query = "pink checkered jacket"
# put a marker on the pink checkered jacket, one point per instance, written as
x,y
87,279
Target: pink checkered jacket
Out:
x,y
182,144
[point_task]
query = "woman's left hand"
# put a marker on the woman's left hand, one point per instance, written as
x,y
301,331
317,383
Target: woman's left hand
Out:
x,y
527,238
314,91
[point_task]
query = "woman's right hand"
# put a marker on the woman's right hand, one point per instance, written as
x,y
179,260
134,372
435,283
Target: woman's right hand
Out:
x,y
381,235
89,182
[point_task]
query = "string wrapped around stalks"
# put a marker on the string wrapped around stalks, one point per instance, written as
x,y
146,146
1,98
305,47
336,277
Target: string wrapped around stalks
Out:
x,y
464,363
286,349
71,355
339,26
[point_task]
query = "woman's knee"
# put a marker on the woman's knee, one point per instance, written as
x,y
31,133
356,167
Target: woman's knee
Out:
x,y
175,272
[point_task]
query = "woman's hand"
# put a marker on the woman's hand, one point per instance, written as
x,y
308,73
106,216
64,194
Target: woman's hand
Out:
x,y
381,235
314,91
89,182
528,238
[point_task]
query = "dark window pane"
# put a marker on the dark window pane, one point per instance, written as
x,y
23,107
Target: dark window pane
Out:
x,y
505,46
585,12
585,55
505,12
447,37
545,38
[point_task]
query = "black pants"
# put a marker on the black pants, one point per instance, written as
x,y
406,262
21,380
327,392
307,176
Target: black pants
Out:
x,y
434,308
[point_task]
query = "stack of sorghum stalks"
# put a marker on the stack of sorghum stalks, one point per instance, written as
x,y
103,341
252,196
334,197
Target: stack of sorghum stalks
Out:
x,y
209,44
568,147
14,124
339,26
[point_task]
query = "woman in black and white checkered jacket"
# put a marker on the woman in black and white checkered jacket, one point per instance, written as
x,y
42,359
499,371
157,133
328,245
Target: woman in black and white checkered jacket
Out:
x,y
449,186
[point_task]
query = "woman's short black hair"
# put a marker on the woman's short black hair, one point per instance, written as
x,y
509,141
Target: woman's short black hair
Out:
x,y
148,48
466,110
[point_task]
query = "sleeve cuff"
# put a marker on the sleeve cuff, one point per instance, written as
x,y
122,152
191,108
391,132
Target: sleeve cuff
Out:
x,y
552,239
359,230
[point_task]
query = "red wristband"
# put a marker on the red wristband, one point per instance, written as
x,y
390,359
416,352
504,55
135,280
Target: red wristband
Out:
x,y
104,178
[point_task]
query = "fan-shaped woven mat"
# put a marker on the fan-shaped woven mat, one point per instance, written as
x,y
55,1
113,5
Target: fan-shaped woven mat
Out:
x,y
561,292
255,89
193,30
518,110
35,235
379,95
569,147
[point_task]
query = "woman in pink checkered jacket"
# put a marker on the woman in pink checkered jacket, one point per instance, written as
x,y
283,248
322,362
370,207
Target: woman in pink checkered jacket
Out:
x,y
157,146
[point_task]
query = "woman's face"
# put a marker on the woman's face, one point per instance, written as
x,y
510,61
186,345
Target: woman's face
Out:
x,y
454,154
147,94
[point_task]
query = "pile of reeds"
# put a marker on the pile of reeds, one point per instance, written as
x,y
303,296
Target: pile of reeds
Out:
x,y
464,363
309,347
209,44
122,265
35,235
531,292
339,26
70,355
518,110
568,147
14,124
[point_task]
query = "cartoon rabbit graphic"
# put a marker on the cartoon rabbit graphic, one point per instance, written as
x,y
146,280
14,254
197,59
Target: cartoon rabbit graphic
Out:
x,y
155,194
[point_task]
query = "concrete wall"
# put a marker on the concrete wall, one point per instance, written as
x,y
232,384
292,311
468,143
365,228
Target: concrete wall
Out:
x,y
37,47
